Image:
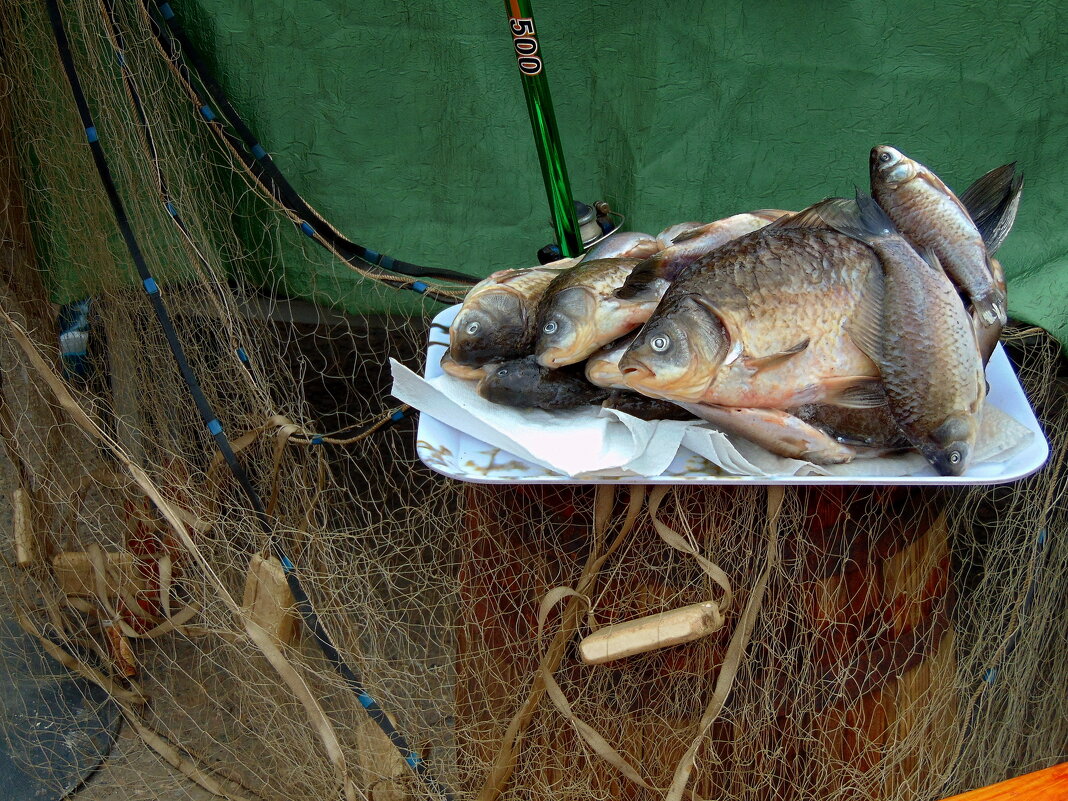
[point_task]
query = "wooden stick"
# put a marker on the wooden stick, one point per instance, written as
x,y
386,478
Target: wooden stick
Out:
x,y
1050,784
650,633
27,547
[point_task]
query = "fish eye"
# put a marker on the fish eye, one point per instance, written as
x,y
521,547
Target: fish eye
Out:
x,y
502,372
660,343
954,457
472,327
885,157
550,327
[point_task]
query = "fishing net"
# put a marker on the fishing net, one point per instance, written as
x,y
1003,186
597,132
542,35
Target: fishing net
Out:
x,y
888,643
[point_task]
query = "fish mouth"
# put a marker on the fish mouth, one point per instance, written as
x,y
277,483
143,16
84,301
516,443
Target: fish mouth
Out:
x,y
635,374
564,354
551,358
643,379
604,375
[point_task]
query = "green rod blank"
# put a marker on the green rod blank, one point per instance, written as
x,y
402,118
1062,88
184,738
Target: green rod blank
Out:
x,y
543,121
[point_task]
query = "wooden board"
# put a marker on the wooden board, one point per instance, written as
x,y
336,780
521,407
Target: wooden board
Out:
x,y
1050,784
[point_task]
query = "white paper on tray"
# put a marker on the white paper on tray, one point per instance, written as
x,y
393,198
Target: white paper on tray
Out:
x,y
591,442
574,442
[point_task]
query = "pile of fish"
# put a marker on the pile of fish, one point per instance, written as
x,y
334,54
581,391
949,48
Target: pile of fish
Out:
x,y
853,328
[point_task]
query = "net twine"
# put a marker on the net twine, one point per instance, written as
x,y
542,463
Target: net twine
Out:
x,y
580,596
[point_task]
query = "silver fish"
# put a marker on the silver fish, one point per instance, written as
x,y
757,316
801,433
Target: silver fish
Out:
x,y
579,313
932,218
918,332
623,245
762,323
497,319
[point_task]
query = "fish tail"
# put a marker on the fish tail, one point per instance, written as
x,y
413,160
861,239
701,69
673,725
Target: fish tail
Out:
x,y
992,202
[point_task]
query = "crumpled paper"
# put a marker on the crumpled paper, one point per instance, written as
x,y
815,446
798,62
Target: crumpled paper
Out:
x,y
592,442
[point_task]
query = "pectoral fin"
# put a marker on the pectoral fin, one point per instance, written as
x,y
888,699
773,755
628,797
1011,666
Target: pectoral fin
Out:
x,y
757,363
865,327
854,392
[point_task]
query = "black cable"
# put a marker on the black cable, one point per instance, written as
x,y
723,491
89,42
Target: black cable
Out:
x,y
308,614
259,161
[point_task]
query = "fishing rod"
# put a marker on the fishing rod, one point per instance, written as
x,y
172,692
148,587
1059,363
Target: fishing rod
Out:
x,y
531,65
180,50
303,603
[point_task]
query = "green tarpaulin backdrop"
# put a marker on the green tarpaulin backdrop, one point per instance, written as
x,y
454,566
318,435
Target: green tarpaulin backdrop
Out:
x,y
404,122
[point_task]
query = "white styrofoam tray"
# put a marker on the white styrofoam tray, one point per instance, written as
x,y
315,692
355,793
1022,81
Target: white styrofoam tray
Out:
x,y
458,455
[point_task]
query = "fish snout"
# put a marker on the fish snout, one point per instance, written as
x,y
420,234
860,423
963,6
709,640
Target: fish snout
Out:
x,y
634,371
551,358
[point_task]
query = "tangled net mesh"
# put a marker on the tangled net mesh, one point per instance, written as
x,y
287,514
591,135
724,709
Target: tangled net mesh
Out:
x,y
872,642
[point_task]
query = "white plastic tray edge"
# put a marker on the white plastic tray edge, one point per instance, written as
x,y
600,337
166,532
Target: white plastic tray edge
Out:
x,y
433,438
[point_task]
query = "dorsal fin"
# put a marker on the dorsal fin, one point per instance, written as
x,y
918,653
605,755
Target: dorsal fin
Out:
x,y
810,217
861,218
642,278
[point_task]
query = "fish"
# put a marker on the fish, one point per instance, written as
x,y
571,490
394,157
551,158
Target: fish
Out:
x,y
868,428
918,332
777,431
449,365
623,245
762,323
578,312
691,244
525,384
498,317
645,408
932,218
602,367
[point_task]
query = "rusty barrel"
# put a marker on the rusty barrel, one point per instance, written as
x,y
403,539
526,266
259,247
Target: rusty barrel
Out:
x,y
846,689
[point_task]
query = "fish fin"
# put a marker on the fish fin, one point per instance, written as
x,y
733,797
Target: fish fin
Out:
x,y
756,363
812,217
861,218
865,327
771,215
930,258
692,233
992,202
990,308
854,392
641,283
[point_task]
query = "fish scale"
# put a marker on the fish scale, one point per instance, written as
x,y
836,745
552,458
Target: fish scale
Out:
x,y
772,290
932,217
915,327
